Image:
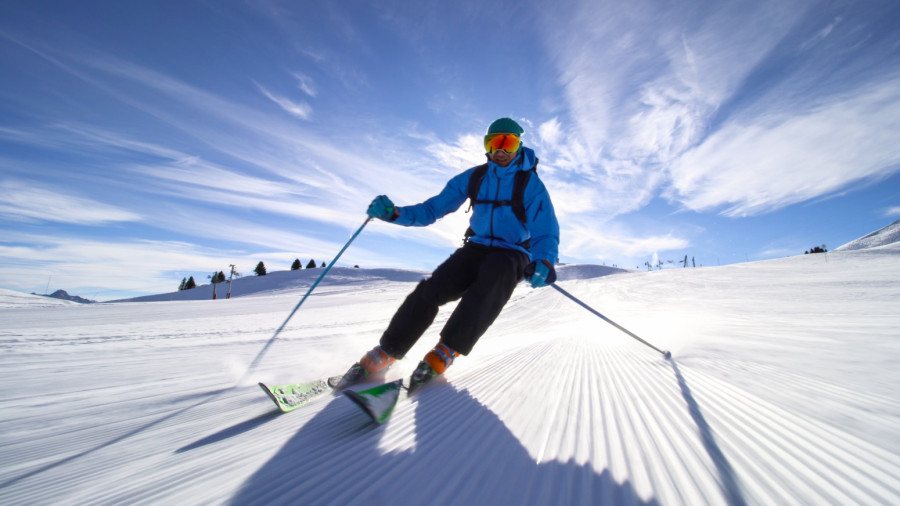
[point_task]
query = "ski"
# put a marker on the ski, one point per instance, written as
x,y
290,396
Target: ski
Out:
x,y
294,395
377,402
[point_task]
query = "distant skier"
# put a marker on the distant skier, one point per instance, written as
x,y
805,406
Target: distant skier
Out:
x,y
513,234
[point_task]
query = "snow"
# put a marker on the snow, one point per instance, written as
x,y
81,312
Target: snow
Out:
x,y
13,299
782,389
285,280
886,236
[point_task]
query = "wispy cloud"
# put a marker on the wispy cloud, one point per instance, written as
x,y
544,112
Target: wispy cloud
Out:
x,y
138,266
641,82
72,262
305,83
301,110
467,151
191,173
821,34
254,138
617,242
26,201
785,159
550,133
660,100
260,140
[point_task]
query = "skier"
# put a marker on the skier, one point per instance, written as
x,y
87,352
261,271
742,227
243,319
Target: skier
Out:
x,y
513,234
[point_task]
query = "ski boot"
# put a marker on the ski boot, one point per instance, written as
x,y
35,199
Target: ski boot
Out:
x,y
373,362
435,363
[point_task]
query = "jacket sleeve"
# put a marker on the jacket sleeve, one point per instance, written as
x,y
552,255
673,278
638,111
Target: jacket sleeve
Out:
x,y
442,204
542,223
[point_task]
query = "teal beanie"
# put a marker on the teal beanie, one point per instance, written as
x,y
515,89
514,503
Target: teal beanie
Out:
x,y
505,126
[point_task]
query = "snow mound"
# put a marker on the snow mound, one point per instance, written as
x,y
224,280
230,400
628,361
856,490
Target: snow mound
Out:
x,y
887,235
300,280
585,271
281,281
13,299
64,295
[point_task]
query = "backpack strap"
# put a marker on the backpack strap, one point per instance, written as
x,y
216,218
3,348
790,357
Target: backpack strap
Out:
x,y
518,195
475,184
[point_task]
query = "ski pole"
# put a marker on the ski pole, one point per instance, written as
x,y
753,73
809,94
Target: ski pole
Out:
x,y
311,288
667,354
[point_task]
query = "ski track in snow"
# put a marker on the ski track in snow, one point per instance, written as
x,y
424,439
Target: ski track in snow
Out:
x,y
782,390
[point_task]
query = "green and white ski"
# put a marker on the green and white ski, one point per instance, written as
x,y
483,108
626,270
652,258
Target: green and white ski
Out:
x,y
294,395
377,402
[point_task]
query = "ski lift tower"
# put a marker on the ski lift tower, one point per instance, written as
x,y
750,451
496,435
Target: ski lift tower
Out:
x,y
230,276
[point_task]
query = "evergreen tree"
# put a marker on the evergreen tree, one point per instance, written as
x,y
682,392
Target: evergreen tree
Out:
x,y
323,265
311,264
296,265
221,277
260,269
181,287
190,283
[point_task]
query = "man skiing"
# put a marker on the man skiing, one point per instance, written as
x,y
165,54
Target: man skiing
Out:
x,y
513,234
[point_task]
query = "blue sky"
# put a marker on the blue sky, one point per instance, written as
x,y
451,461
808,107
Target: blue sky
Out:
x,y
142,142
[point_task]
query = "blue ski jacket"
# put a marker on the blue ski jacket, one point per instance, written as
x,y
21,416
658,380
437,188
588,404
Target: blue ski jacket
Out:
x,y
494,225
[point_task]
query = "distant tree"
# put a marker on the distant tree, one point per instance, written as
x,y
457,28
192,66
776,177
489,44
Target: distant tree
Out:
x,y
260,269
296,265
817,249
323,265
181,287
190,283
221,277
356,267
311,264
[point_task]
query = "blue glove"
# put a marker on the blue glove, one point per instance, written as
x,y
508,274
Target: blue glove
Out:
x,y
383,209
540,273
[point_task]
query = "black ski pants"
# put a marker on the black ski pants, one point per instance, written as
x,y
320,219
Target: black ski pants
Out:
x,y
483,277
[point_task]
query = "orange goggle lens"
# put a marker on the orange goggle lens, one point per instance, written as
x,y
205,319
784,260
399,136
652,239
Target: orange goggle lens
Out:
x,y
506,142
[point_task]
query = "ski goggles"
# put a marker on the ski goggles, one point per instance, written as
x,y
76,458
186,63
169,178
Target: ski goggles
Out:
x,y
507,142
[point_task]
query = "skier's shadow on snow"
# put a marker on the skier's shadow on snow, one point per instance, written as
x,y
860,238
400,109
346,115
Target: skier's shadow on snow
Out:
x,y
205,398
462,453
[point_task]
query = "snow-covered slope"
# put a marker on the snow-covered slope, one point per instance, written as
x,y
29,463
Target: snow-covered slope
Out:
x,y
782,390
885,236
13,299
284,281
337,276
